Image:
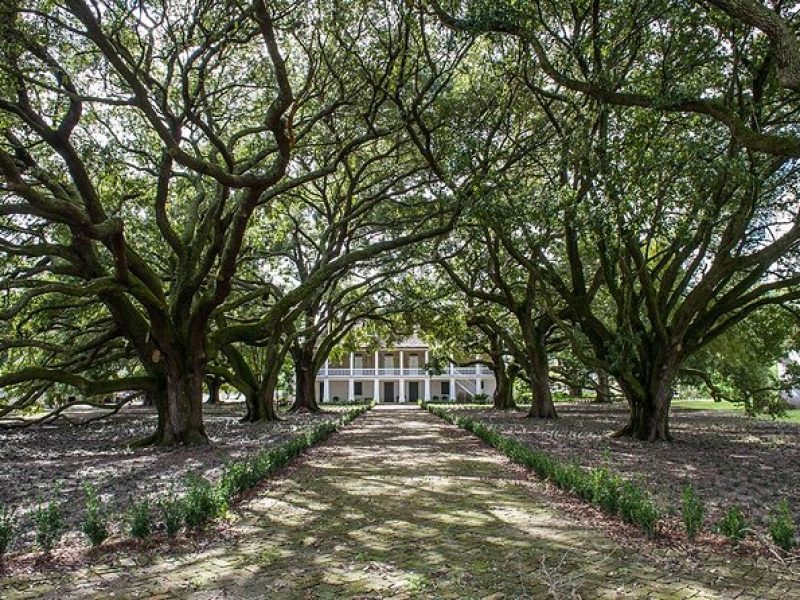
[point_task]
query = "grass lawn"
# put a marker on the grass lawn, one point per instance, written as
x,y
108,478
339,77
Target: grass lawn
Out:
x,y
792,416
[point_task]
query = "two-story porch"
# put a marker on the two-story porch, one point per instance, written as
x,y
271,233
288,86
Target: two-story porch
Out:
x,y
399,375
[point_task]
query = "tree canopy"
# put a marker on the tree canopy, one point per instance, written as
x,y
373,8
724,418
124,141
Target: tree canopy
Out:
x,y
195,192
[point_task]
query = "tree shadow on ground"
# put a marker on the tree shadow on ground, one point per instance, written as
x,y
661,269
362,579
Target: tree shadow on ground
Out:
x,y
404,505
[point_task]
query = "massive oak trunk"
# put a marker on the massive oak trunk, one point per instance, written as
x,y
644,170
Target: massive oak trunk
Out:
x,y
503,398
184,424
602,388
537,368
260,398
178,399
542,406
261,404
305,375
649,402
214,383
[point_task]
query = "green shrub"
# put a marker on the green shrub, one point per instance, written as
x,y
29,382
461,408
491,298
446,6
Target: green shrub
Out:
x,y
8,524
636,507
733,524
140,519
95,523
237,478
172,512
202,502
605,490
693,511
49,522
781,526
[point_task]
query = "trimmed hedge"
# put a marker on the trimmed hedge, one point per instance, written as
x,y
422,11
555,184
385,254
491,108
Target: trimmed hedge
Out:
x,y
598,486
206,501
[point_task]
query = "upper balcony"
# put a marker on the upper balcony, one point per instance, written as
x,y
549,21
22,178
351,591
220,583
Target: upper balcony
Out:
x,y
453,370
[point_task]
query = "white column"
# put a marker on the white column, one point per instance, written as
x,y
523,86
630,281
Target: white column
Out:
x,y
452,388
325,368
478,389
377,362
427,388
402,395
427,359
351,389
326,390
376,390
352,362
401,366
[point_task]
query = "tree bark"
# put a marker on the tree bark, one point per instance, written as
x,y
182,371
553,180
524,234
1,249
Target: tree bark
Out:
x,y
305,380
503,397
542,406
538,370
650,404
261,405
184,425
179,402
214,384
261,401
602,388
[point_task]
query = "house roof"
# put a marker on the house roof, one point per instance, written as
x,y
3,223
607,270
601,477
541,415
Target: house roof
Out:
x,y
411,342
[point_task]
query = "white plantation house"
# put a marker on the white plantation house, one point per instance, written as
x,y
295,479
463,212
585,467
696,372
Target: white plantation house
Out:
x,y
397,374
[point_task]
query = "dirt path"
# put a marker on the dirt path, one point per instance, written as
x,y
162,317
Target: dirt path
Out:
x,y
403,505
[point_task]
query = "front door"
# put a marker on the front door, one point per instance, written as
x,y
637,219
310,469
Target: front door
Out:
x,y
413,391
388,391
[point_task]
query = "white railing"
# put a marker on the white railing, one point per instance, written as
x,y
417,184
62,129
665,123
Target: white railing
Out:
x,y
413,372
389,371
471,370
338,372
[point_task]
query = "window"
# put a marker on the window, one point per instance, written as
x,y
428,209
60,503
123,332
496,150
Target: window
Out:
x,y
358,389
445,388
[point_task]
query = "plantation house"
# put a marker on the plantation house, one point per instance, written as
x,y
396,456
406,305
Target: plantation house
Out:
x,y
398,374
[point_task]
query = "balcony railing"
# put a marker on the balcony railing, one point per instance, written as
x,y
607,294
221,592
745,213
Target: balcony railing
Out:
x,y
334,372
405,372
414,371
389,371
